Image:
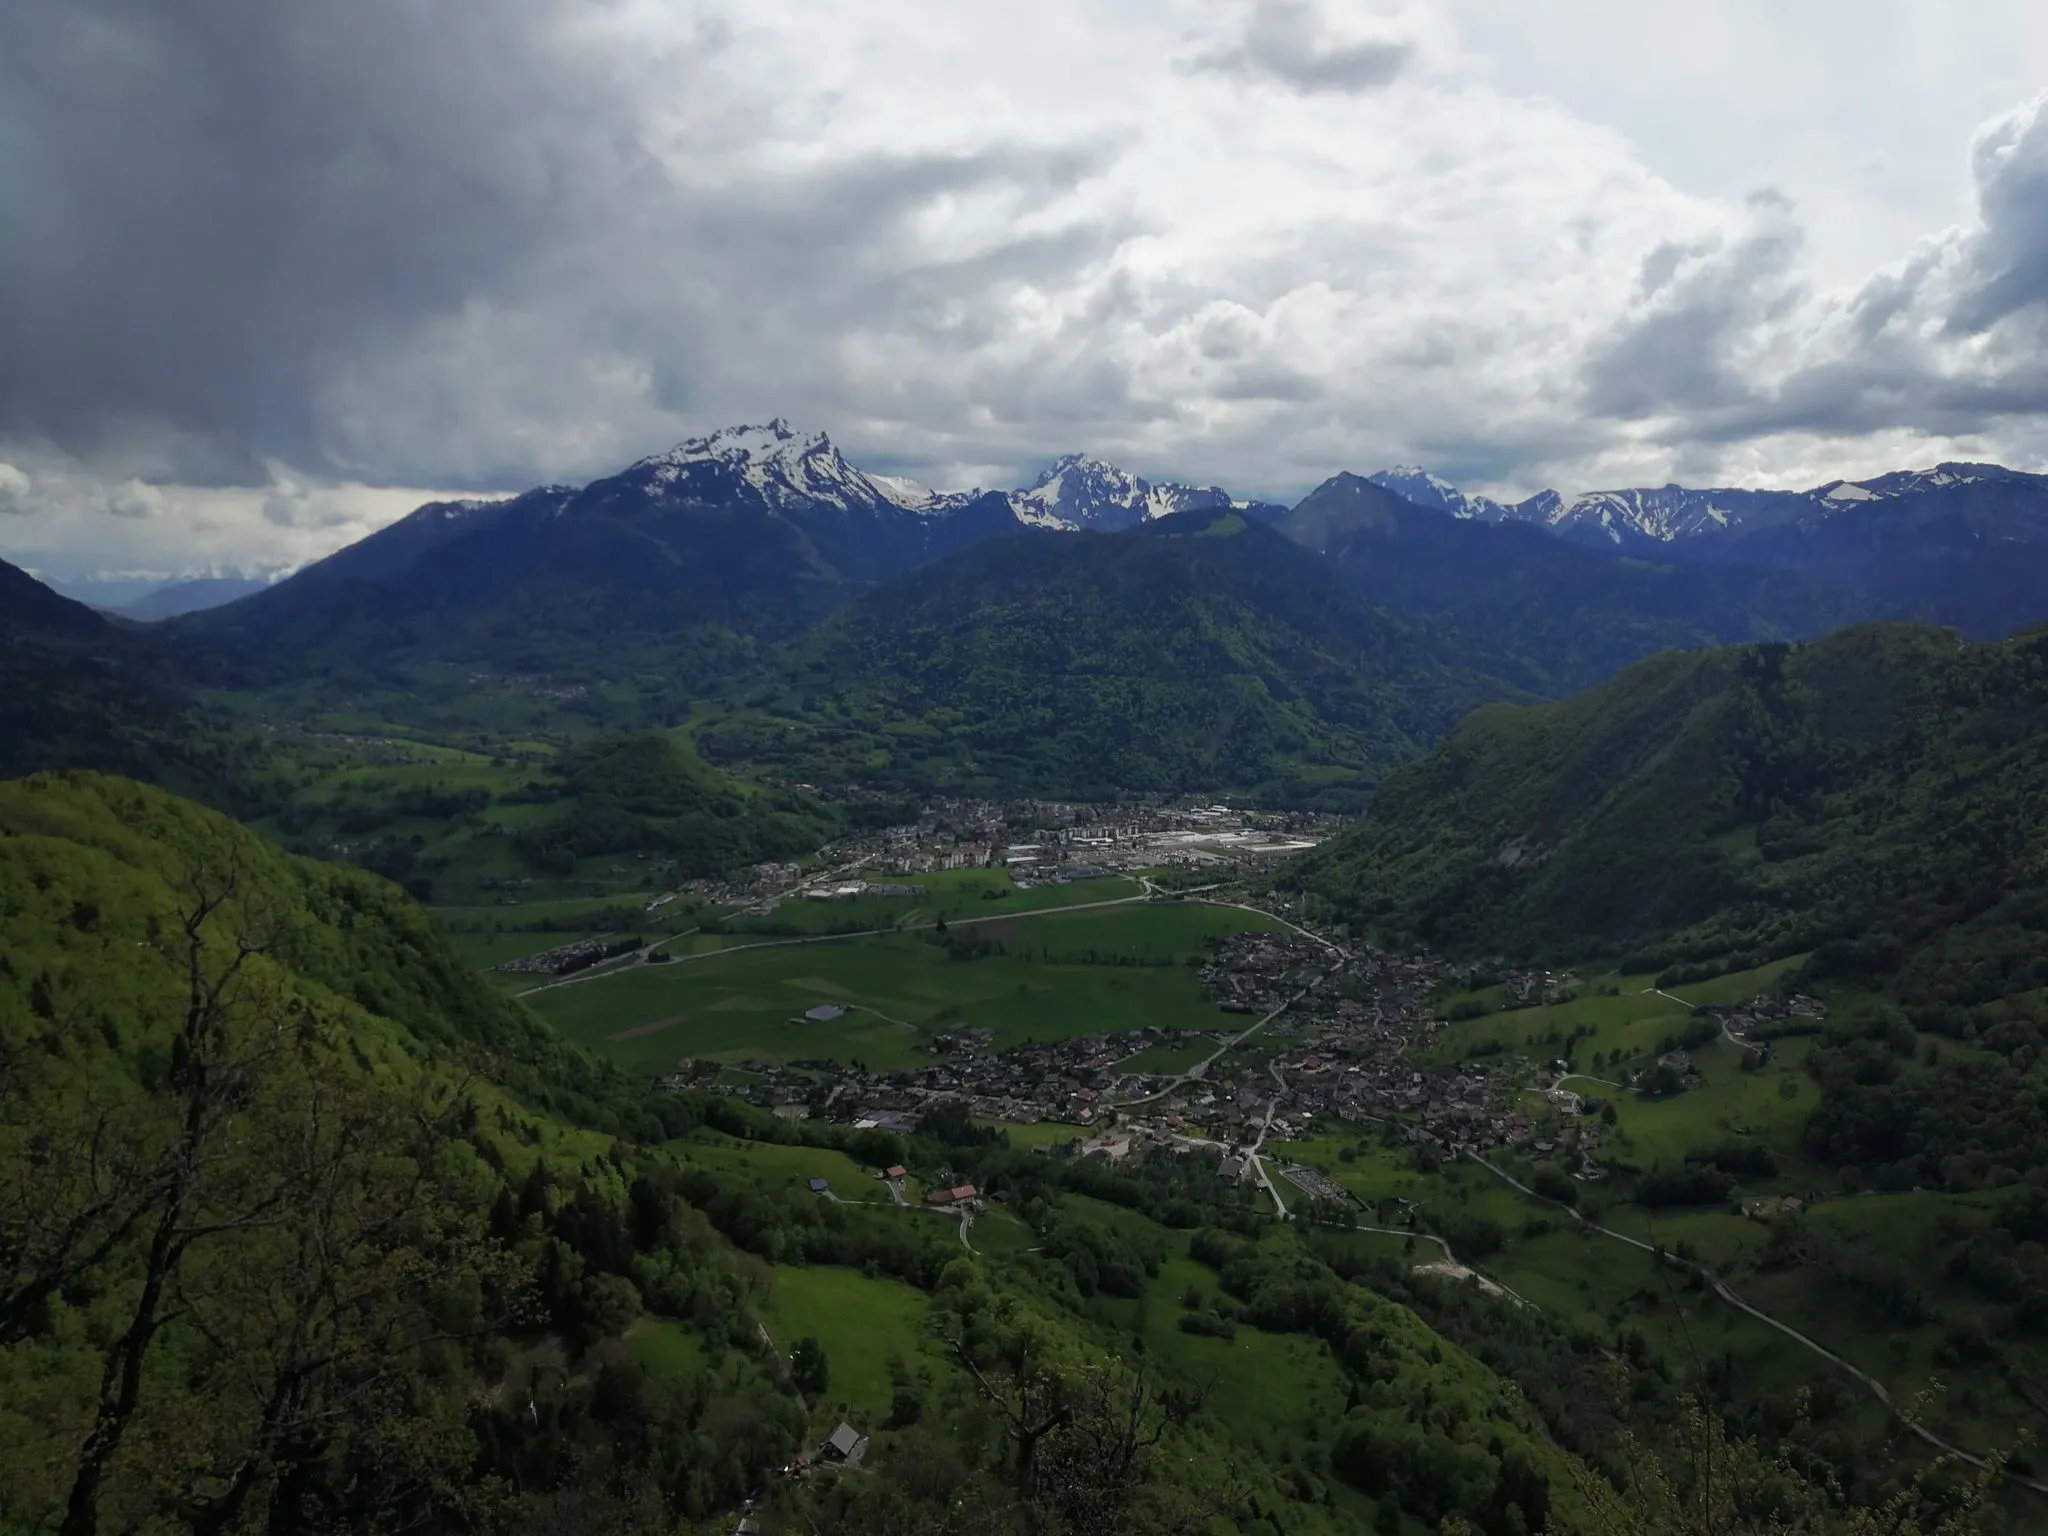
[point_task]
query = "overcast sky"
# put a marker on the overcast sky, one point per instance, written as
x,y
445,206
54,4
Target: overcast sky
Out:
x,y
271,274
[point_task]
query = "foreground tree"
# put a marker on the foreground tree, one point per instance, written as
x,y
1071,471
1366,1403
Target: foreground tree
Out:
x,y
268,1233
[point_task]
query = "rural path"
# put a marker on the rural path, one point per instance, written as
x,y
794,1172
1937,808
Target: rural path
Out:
x,y
1451,1265
1586,1077
1748,1045
1720,1289
1659,991
1284,922
884,1017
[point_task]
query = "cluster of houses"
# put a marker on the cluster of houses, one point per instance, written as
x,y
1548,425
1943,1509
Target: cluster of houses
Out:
x,y
1536,989
1336,1052
578,955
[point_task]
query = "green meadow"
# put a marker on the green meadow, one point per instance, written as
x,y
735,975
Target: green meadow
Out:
x,y
664,1348
771,1164
862,1323
1059,975
1625,1014
949,895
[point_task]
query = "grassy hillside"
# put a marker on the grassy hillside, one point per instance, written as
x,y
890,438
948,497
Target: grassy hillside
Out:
x,y
1874,794
610,816
1202,651
303,1227
1865,810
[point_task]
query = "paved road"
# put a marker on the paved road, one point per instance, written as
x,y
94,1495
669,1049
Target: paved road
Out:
x,y
1720,1289
1587,1077
1258,1163
1195,1072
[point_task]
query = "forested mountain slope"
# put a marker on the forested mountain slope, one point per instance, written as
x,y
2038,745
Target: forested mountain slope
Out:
x,y
645,793
690,555
1877,793
303,1227
1549,614
1199,651
79,691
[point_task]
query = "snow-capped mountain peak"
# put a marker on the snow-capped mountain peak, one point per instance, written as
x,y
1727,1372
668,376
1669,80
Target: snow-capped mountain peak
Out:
x,y
1077,491
783,465
1908,482
1418,485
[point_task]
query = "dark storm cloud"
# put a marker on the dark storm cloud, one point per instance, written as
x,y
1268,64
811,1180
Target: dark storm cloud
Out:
x,y
1283,42
206,202
235,230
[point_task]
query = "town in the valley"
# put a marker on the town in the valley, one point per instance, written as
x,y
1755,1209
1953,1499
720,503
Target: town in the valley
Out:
x,y
1316,1030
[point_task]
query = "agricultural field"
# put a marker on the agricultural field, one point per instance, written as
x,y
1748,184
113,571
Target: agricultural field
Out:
x,y
1280,1392
951,896
1168,1059
1057,975
771,1165
999,1234
1040,1133
1625,1014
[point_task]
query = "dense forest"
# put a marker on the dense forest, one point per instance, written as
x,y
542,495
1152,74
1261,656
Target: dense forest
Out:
x,y
1545,614
1873,797
647,793
1201,651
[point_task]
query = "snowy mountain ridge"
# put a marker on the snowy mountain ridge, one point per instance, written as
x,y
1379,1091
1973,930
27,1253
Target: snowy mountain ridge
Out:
x,y
1080,492
1670,513
784,466
1425,489
787,467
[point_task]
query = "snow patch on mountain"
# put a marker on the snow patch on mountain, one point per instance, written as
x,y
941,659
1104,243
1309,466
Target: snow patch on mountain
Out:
x,y
784,466
1418,485
1079,492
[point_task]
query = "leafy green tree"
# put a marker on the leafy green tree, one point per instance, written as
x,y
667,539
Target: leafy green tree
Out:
x,y
809,1368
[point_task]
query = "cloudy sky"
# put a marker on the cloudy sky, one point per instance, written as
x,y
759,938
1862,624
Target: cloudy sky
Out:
x,y
271,274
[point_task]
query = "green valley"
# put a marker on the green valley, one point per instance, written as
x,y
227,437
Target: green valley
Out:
x,y
567,1294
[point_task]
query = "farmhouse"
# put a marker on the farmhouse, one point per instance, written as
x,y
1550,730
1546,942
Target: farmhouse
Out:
x,y
957,1196
845,1444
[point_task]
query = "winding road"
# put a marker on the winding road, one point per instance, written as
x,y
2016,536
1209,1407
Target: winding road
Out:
x,y
1720,1289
